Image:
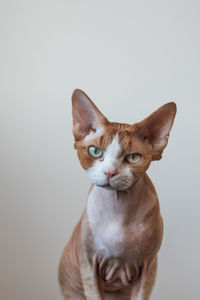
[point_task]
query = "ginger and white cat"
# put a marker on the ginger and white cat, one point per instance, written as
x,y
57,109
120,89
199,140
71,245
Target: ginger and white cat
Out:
x,y
112,254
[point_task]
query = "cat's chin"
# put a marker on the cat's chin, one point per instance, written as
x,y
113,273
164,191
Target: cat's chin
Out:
x,y
106,186
111,187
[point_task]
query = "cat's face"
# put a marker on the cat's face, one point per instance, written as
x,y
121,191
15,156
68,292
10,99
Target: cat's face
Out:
x,y
116,155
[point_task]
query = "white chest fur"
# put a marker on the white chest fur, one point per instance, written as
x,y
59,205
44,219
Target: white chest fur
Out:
x,y
118,226
106,218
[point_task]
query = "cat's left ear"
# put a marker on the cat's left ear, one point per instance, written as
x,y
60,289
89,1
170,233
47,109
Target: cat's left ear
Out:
x,y
156,128
86,116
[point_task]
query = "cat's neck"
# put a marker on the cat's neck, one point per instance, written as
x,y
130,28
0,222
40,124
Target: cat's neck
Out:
x,y
135,201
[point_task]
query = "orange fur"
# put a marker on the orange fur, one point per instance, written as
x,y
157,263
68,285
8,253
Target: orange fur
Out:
x,y
85,272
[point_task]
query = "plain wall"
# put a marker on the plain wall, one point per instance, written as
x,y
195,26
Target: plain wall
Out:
x,y
130,57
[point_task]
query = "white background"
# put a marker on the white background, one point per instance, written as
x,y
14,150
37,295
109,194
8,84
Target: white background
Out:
x,y
130,57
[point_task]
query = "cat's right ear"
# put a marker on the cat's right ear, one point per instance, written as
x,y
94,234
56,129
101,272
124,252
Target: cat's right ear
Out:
x,y
86,116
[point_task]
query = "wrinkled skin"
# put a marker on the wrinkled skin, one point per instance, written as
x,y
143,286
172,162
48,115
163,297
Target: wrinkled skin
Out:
x,y
112,253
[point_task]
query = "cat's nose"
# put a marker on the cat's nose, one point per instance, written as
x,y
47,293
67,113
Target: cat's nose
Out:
x,y
110,174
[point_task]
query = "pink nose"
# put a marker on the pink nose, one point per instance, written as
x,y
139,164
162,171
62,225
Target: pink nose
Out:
x,y
110,174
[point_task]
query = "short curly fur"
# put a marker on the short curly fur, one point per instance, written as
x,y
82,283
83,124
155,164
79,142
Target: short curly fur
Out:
x,y
112,253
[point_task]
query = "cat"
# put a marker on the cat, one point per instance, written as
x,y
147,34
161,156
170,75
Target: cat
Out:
x,y
112,253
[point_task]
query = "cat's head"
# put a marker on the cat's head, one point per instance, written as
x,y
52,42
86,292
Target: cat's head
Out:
x,y
114,154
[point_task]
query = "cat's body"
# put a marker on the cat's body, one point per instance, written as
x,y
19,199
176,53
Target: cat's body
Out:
x,y
112,254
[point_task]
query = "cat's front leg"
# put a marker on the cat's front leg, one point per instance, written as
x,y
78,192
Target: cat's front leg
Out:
x,y
88,266
90,281
142,290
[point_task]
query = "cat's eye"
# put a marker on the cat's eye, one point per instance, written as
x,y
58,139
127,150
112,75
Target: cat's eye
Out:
x,y
95,152
133,158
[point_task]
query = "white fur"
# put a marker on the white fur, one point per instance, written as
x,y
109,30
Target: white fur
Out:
x,y
92,134
140,294
108,241
112,162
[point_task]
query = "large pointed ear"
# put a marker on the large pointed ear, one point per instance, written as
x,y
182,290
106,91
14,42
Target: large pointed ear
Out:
x,y
156,128
86,116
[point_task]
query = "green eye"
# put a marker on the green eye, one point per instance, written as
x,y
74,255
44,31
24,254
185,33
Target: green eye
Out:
x,y
133,158
95,152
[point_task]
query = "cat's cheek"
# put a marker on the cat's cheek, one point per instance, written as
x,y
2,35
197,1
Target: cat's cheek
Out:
x,y
86,161
124,180
96,175
140,169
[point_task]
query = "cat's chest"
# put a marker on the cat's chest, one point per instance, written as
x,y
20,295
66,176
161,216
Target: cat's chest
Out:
x,y
107,225
118,235
109,237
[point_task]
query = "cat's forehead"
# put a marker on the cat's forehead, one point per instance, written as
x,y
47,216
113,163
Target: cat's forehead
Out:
x,y
115,134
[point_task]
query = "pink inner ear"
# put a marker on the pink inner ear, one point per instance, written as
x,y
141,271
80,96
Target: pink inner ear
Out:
x,y
166,128
86,116
157,126
162,139
86,120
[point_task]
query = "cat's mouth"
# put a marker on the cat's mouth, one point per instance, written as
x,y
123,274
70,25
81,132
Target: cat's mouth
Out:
x,y
117,183
104,185
118,187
